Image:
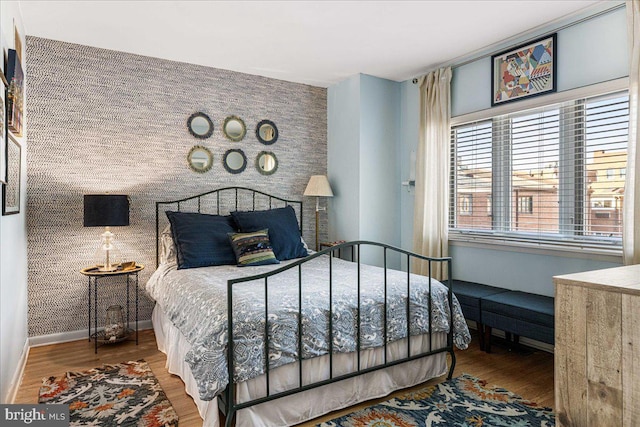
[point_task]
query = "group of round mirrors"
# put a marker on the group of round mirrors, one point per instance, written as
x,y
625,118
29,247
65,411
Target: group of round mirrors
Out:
x,y
200,158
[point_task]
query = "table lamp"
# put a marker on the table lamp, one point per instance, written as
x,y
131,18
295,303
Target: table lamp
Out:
x,y
106,210
318,186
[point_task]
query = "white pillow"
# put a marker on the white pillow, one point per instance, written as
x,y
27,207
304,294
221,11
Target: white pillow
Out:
x,y
168,253
309,251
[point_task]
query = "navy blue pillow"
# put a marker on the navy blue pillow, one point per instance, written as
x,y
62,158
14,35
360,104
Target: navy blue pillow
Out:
x,y
284,231
201,240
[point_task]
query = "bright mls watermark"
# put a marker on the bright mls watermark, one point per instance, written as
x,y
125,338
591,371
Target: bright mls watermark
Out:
x,y
34,415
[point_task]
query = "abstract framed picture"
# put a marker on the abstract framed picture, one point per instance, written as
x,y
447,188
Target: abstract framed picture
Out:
x,y
15,95
11,190
3,130
524,71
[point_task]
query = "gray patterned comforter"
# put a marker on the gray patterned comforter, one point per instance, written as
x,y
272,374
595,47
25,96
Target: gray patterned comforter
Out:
x,y
195,300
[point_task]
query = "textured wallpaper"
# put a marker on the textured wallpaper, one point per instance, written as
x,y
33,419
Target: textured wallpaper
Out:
x,y
107,121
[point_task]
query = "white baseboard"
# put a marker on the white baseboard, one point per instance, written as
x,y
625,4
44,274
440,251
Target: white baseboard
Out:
x,y
17,376
523,340
82,334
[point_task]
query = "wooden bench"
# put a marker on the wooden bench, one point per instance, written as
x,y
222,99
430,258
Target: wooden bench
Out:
x,y
470,296
518,313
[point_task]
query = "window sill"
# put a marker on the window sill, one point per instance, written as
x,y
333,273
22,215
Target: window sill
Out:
x,y
613,255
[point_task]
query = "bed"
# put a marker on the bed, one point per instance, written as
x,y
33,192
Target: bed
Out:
x,y
309,334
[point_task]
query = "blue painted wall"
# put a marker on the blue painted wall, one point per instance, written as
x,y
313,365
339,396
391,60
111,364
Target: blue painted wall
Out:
x,y
379,165
522,271
409,125
373,128
364,166
343,162
13,244
590,52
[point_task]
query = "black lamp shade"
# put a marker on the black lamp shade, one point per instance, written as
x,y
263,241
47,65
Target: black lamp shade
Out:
x,y
106,210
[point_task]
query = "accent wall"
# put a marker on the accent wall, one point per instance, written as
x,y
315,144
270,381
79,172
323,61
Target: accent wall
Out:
x,y
107,121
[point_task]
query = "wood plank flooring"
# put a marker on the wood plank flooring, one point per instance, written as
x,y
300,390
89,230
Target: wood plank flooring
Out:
x,y
528,373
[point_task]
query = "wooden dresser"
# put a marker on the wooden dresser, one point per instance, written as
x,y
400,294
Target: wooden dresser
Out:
x,y
597,348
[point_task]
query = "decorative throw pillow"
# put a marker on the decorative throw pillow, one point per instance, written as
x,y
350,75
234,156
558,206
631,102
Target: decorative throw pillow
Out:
x,y
201,240
253,248
284,231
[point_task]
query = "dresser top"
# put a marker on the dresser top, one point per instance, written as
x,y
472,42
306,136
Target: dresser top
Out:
x,y
619,279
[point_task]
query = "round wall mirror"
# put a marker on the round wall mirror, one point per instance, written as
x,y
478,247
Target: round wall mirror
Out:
x,y
234,161
267,132
234,128
200,125
200,159
266,163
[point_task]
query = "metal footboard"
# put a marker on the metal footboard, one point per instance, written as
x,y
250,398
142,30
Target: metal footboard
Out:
x,y
228,402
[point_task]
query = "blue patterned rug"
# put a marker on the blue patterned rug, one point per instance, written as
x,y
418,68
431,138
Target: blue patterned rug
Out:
x,y
464,401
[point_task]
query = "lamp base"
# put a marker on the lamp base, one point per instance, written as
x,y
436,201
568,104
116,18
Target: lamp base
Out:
x,y
107,253
318,209
317,223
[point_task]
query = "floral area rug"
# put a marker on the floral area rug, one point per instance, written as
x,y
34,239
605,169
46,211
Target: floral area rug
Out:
x,y
464,401
126,394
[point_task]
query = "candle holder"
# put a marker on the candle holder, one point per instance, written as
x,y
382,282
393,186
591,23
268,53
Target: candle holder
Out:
x,y
114,328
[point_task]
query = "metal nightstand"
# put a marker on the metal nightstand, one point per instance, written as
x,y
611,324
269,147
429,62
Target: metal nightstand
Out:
x,y
324,245
94,275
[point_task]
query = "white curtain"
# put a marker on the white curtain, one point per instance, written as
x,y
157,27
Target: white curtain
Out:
x,y
430,225
631,214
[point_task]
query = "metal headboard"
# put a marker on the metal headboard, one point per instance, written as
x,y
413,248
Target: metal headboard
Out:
x,y
222,201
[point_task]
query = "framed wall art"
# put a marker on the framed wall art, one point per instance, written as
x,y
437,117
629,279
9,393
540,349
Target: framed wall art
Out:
x,y
3,130
11,190
15,94
524,71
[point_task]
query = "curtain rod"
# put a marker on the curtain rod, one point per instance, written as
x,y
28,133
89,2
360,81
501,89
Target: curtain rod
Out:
x,y
533,35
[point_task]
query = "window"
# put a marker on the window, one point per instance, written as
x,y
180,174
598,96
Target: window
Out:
x,y
602,203
466,204
525,204
472,169
547,174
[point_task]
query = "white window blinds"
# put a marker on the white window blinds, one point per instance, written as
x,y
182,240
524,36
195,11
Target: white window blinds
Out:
x,y
554,174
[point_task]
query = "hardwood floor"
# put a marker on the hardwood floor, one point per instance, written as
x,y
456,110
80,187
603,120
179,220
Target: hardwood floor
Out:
x,y
528,372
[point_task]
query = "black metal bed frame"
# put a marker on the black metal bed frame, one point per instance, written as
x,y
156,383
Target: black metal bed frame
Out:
x,y
227,401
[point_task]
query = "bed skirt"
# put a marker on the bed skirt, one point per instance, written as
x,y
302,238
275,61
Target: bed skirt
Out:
x,y
304,406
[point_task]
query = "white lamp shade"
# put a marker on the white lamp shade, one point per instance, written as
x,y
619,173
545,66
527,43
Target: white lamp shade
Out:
x,y
318,186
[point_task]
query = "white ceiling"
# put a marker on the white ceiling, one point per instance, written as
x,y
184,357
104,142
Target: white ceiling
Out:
x,y
314,42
